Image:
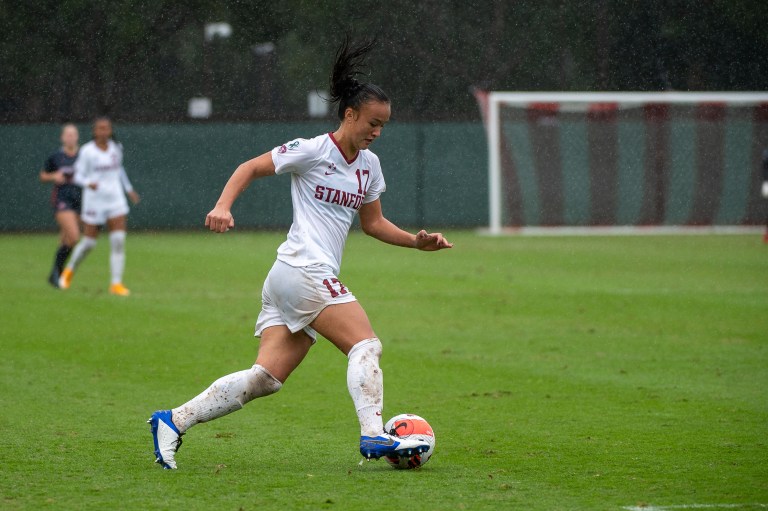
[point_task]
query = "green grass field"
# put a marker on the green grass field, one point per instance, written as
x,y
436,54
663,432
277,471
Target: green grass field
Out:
x,y
592,373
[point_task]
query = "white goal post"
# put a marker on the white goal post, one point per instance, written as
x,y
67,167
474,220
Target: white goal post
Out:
x,y
584,102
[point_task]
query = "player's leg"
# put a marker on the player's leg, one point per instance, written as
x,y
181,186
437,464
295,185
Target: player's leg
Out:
x,y
69,222
347,326
117,233
69,231
344,324
280,352
81,250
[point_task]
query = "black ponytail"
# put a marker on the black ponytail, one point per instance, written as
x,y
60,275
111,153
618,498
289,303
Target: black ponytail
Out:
x,y
345,88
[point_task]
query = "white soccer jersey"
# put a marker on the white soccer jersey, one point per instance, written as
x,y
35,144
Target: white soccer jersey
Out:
x,y
326,191
105,169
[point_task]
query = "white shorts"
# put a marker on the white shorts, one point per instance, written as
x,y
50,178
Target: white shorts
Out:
x,y
295,296
96,212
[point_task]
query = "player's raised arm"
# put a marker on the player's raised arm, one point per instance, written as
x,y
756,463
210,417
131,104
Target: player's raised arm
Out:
x,y
220,218
374,224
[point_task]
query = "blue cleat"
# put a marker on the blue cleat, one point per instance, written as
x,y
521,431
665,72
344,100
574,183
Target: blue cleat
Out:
x,y
375,447
166,437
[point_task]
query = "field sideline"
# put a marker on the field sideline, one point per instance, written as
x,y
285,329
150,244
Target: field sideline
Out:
x,y
559,373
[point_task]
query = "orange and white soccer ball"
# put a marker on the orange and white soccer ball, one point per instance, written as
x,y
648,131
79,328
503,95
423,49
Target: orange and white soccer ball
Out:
x,y
409,425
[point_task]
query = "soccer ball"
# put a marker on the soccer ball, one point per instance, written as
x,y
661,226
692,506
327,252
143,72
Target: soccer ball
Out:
x,y
405,425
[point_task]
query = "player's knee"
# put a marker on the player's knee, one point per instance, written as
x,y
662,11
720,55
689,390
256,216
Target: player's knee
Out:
x,y
367,348
70,236
117,241
71,240
262,382
88,243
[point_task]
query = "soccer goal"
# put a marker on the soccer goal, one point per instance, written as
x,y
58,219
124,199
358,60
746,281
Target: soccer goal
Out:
x,y
624,159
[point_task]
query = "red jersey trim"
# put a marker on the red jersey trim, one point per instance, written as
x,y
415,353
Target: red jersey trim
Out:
x,y
349,162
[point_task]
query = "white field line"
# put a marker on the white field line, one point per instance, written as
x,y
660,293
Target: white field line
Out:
x,y
626,230
695,506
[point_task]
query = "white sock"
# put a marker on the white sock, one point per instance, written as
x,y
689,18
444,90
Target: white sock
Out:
x,y
81,250
226,395
117,255
366,385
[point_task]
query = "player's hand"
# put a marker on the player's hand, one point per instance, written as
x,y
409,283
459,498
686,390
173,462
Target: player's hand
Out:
x,y
219,220
431,241
135,197
764,191
59,178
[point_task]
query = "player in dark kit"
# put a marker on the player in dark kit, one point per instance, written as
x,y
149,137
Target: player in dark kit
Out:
x,y
65,197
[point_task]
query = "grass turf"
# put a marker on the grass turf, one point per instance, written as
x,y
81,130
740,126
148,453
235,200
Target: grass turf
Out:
x,y
558,374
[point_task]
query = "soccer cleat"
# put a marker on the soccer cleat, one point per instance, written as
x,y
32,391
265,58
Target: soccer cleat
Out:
x,y
119,290
166,438
374,447
53,278
66,278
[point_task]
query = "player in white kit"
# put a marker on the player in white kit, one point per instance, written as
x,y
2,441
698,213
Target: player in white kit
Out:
x,y
333,177
99,171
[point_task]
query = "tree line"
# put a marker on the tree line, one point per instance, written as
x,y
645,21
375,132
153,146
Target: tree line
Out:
x,y
142,60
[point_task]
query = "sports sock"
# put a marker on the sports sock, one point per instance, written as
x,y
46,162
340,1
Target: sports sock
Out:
x,y
61,257
81,250
366,385
117,255
226,395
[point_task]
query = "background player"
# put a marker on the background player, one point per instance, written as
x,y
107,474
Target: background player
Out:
x,y
65,197
99,170
764,189
333,176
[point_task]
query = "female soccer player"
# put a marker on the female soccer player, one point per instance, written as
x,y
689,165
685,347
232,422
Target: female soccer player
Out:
x,y
65,198
333,177
99,170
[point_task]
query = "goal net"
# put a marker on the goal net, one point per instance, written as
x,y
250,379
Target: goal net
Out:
x,y
617,159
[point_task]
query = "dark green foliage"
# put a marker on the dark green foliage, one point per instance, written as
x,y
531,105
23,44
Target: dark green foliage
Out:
x,y
142,60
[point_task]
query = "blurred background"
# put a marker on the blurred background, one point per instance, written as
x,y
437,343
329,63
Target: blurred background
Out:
x,y
196,87
142,61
